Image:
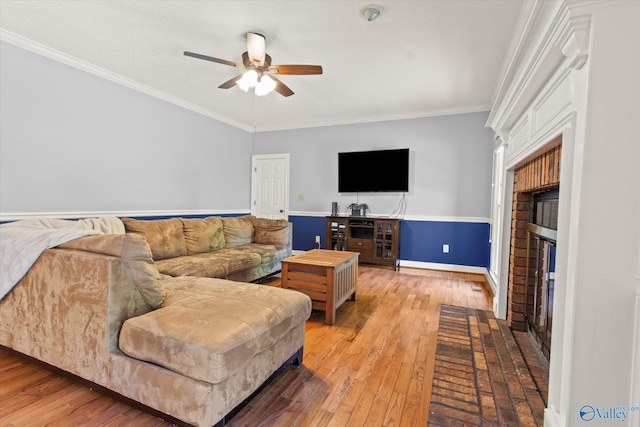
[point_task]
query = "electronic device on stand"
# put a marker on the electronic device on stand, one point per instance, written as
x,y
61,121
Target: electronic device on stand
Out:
x,y
358,209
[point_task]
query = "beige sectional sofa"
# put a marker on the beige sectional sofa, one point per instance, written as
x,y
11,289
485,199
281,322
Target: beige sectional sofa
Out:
x,y
242,248
193,348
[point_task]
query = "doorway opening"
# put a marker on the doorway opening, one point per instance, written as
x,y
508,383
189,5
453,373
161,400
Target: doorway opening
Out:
x,y
270,186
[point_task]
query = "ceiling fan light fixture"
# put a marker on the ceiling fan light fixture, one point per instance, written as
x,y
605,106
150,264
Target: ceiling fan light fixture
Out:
x,y
371,12
248,80
255,65
256,47
266,85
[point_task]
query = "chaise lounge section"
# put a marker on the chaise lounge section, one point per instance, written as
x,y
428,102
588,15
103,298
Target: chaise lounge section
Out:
x,y
193,348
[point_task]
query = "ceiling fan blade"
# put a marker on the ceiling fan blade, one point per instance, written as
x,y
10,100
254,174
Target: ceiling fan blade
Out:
x,y
212,59
230,83
282,88
256,47
295,69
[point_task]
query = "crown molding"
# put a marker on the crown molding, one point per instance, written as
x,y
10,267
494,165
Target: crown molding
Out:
x,y
56,55
386,118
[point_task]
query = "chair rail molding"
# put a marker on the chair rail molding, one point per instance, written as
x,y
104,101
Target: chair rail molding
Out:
x,y
16,216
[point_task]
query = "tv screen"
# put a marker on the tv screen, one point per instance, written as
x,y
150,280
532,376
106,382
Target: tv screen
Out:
x,y
373,171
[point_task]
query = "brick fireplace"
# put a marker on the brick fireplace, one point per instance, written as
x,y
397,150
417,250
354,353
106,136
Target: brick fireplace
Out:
x,y
537,174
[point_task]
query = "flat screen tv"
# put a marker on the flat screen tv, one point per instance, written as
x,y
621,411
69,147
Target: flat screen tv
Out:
x,y
373,171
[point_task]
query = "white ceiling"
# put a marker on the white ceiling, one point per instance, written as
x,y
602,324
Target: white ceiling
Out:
x,y
420,58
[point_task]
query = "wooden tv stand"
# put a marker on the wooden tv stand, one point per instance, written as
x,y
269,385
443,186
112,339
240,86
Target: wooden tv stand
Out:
x,y
377,239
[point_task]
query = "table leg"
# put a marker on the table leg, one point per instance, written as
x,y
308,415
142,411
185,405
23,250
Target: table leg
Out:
x,y
330,312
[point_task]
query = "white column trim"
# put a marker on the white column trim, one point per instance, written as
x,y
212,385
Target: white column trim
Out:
x,y
634,395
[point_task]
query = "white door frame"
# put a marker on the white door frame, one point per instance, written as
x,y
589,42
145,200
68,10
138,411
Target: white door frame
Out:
x,y
254,187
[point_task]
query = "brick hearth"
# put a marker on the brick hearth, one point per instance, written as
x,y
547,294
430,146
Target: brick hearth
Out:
x,y
483,375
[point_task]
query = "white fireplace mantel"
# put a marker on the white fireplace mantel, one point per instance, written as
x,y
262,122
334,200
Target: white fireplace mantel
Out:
x,y
574,73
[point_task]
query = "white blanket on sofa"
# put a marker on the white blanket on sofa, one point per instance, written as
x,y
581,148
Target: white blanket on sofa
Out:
x,y
22,242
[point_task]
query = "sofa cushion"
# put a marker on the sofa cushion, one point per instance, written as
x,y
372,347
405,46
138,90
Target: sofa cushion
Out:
x,y
238,231
238,260
192,265
135,255
267,253
164,236
203,235
271,231
219,263
209,329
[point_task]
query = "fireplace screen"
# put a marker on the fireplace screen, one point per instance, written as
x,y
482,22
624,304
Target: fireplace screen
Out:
x,y
541,267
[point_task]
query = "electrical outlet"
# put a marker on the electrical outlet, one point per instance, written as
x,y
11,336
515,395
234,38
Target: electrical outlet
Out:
x,y
445,249
318,239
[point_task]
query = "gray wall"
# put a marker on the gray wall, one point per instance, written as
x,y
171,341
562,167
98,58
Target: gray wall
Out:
x,y
74,142
450,164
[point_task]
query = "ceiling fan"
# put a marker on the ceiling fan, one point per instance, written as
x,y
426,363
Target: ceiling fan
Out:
x,y
259,73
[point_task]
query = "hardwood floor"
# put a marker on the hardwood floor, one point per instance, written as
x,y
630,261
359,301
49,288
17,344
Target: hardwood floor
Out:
x,y
374,367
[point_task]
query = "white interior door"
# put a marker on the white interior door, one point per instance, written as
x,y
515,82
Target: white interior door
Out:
x,y
270,186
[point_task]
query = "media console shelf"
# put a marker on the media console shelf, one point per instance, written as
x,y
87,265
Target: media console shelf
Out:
x,y
377,239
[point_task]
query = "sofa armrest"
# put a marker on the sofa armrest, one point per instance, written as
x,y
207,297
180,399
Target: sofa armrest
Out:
x,y
135,256
273,231
69,308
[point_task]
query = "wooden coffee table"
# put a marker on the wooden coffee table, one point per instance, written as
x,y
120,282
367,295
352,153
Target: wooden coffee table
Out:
x,y
327,277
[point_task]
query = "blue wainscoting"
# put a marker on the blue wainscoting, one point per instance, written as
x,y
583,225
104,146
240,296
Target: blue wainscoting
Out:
x,y
420,241
468,242
305,230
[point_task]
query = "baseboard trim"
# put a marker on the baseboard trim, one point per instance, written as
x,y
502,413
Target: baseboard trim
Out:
x,y
444,267
432,266
552,418
492,282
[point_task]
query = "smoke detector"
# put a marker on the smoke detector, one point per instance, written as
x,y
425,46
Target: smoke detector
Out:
x,y
371,12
